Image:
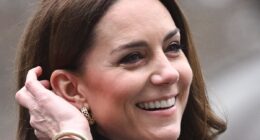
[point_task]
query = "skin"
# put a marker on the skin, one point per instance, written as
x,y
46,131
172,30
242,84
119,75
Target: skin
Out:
x,y
116,78
136,58
46,114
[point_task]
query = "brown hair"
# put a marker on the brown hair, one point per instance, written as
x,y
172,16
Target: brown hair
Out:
x,y
56,38
199,122
60,33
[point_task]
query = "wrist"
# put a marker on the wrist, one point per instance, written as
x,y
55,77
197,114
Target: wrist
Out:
x,y
81,128
69,135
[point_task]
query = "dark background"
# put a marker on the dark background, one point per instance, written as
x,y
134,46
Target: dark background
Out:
x,y
226,33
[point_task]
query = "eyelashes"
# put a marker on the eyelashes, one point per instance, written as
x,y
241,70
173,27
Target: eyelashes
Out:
x,y
132,58
135,57
174,48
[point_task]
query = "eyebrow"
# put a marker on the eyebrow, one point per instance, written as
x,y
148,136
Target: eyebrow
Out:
x,y
171,34
141,43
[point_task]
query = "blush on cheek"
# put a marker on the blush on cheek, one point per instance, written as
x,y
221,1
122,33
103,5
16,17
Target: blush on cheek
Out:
x,y
186,74
112,87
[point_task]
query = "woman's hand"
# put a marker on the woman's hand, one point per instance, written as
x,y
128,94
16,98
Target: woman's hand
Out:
x,y
49,113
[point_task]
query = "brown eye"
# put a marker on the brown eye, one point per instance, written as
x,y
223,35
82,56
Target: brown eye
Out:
x,y
131,58
174,48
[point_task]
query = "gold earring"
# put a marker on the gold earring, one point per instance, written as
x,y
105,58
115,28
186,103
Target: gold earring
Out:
x,y
85,111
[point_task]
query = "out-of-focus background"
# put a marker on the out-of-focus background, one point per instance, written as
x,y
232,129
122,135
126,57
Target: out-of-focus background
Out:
x,y
226,33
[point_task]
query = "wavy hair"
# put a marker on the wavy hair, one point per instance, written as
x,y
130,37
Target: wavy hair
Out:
x,y
61,31
199,122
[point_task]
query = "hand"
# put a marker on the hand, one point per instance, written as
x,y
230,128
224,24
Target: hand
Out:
x,y
49,113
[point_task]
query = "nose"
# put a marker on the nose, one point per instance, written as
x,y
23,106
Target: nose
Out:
x,y
165,73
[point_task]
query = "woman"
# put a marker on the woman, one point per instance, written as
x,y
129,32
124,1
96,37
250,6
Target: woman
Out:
x,y
131,64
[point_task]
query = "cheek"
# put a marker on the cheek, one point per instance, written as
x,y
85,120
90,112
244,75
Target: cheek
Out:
x,y
111,85
112,99
185,81
112,92
186,73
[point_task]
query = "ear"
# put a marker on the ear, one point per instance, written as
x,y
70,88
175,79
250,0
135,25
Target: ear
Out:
x,y
65,84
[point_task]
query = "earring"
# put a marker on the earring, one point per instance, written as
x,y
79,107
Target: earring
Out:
x,y
85,111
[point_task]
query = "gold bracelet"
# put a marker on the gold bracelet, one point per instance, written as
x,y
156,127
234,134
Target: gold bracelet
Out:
x,y
67,133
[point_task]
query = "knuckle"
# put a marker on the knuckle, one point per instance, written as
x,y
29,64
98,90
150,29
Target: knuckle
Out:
x,y
43,100
29,84
18,95
35,108
35,112
32,122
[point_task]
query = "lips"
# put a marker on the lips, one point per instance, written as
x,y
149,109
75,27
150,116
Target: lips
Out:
x,y
157,105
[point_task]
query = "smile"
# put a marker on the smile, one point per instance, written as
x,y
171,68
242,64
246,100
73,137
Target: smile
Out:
x,y
157,105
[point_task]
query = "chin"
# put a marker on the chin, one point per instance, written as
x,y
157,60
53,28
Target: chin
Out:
x,y
170,135
166,133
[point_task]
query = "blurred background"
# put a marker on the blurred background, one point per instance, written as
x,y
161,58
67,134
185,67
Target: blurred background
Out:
x,y
226,34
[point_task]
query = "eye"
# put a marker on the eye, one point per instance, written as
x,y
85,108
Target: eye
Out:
x,y
173,48
131,58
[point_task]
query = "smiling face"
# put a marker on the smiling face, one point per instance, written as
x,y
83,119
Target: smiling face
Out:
x,y
136,77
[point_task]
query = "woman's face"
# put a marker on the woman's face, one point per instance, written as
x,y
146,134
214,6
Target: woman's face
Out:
x,y
136,77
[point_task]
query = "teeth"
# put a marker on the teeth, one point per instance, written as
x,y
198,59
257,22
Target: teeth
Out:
x,y
165,103
157,104
151,105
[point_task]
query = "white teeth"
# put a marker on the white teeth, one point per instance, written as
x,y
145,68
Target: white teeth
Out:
x,y
146,105
151,105
164,103
157,104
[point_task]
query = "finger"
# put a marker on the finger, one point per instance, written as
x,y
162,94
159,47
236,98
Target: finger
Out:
x,y
32,84
34,73
45,83
24,98
36,89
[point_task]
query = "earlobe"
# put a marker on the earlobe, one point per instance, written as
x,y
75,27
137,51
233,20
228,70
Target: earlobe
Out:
x,y
65,84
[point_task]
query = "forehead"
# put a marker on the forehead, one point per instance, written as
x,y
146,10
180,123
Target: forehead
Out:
x,y
137,8
127,14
